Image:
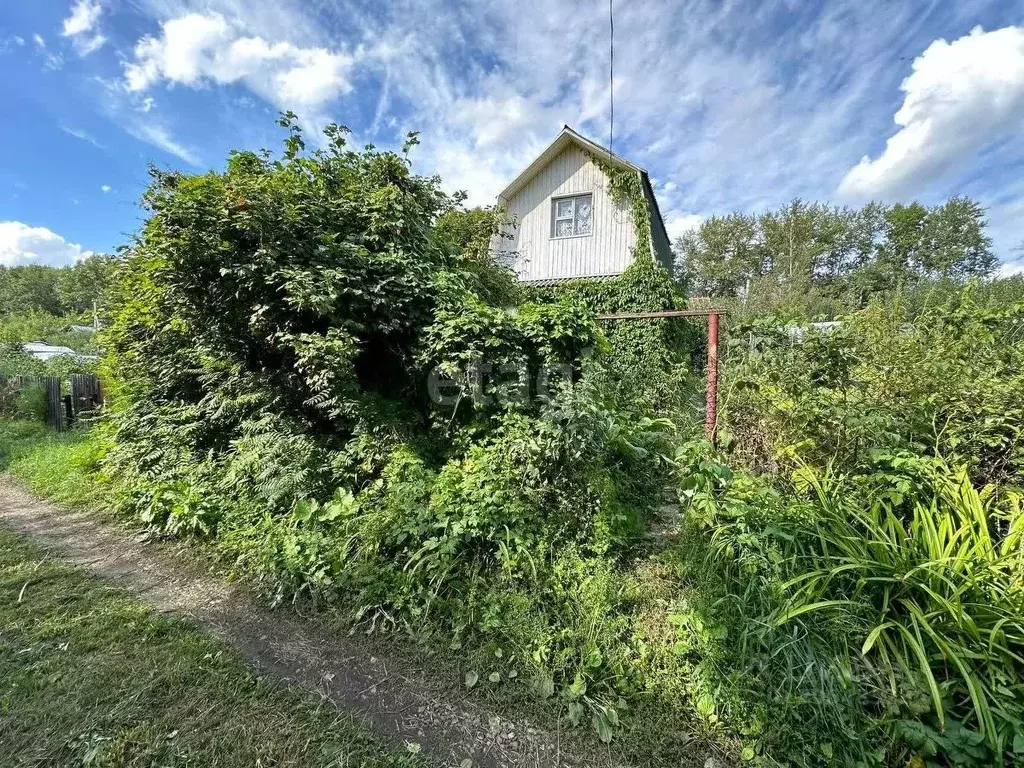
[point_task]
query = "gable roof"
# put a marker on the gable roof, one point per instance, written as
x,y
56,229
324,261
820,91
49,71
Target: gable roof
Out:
x,y
567,136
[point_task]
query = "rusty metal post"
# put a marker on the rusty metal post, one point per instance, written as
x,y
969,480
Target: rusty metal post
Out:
x,y
711,406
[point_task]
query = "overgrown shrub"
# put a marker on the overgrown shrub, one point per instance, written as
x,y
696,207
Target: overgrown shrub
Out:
x,y
312,359
946,384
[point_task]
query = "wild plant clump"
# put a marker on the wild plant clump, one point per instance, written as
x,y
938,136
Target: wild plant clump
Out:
x,y
314,360
865,543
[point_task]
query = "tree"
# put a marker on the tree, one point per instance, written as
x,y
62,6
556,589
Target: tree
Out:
x,y
839,254
721,256
29,288
954,242
56,291
805,243
86,282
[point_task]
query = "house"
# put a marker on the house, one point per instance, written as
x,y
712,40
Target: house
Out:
x,y
565,223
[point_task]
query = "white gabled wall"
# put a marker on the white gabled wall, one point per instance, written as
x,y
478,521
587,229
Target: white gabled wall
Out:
x,y
537,256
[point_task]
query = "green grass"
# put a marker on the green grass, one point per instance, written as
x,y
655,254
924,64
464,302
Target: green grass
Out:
x,y
58,466
91,677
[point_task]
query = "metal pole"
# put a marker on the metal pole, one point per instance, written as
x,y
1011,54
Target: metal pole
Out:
x,y
711,407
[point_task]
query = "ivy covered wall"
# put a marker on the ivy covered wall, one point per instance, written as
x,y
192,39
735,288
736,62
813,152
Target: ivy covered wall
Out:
x,y
650,365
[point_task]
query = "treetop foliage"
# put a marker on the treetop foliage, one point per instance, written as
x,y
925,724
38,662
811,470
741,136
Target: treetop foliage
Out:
x,y
845,254
59,291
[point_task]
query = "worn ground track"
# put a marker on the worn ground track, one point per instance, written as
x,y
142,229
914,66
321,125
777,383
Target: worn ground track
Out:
x,y
395,698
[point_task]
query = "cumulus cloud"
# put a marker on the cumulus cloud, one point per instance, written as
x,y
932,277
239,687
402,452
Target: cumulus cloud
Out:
x,y
678,224
81,27
202,49
960,98
22,244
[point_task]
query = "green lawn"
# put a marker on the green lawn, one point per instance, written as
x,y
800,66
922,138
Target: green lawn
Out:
x,y
91,677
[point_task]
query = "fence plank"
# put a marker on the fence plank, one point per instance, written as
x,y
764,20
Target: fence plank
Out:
x,y
85,393
61,410
54,405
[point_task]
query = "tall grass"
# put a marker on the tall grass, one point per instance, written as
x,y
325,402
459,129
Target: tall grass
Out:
x,y
934,590
880,612
58,466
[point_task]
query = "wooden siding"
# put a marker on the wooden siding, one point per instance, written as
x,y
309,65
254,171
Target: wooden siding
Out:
x,y
535,255
659,237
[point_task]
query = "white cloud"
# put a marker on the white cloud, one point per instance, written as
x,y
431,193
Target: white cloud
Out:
x,y
678,224
84,16
160,137
21,244
732,106
960,97
13,40
105,188
52,61
81,27
78,133
1011,268
196,50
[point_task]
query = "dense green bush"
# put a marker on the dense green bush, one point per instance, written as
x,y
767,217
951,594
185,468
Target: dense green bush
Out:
x,y
948,383
313,359
874,521
650,363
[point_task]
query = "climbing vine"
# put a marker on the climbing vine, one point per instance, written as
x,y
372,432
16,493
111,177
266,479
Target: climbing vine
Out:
x,y
649,366
625,186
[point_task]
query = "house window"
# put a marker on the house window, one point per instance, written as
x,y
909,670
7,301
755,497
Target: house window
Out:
x,y
572,216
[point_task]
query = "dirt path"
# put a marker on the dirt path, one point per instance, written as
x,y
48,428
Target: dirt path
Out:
x,y
394,700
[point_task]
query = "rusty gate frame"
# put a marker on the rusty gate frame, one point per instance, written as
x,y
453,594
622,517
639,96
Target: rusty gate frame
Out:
x,y
711,400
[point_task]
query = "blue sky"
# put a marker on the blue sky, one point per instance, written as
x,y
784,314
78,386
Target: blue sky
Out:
x,y
730,105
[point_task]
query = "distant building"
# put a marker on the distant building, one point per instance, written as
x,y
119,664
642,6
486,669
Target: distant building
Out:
x,y
40,350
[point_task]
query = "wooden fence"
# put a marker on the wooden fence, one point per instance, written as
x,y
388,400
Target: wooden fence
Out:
x,y
62,408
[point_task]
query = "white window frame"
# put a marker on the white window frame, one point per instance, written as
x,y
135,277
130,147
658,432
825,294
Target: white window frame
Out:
x,y
555,218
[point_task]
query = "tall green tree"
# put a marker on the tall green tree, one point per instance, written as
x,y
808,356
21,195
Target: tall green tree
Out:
x,y
55,290
841,254
955,243
29,288
84,283
722,256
